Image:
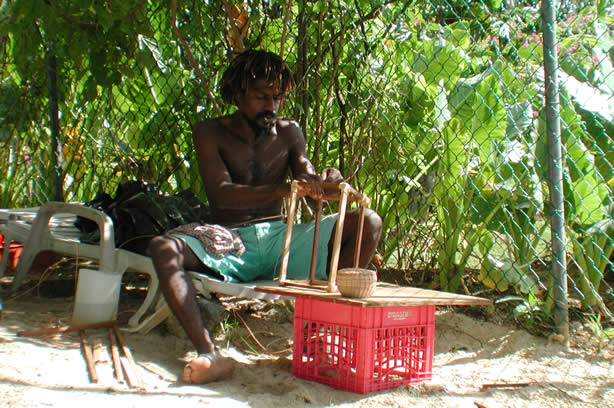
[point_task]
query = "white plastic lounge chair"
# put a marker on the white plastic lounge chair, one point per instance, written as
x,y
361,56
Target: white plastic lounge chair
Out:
x,y
51,228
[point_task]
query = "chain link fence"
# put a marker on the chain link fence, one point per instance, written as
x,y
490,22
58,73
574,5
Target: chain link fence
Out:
x,y
435,109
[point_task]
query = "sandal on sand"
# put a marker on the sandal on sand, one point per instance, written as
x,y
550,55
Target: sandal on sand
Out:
x,y
207,367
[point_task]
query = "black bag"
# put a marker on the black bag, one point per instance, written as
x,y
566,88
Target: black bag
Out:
x,y
140,212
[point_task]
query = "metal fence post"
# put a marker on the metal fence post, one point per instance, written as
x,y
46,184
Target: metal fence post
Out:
x,y
553,130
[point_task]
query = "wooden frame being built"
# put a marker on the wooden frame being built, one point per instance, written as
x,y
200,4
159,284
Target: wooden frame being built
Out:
x,y
343,193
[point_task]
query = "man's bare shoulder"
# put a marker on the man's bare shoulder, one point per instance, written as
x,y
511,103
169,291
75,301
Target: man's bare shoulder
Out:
x,y
208,127
211,132
289,128
286,123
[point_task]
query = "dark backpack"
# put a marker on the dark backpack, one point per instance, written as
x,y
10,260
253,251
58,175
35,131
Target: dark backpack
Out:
x,y
140,212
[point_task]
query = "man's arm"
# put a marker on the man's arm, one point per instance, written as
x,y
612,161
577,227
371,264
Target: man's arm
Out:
x,y
301,166
303,170
222,192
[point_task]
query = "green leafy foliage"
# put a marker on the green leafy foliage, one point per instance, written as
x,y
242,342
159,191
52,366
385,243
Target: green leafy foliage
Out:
x,y
529,311
434,109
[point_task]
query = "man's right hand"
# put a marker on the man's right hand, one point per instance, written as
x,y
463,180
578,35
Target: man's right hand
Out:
x,y
310,186
313,183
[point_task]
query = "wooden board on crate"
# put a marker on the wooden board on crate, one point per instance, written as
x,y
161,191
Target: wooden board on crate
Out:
x,y
385,294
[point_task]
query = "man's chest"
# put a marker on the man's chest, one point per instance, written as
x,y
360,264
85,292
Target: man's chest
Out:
x,y
263,162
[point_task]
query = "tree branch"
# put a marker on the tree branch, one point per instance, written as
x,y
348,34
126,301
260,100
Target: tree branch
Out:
x,y
233,25
284,31
191,58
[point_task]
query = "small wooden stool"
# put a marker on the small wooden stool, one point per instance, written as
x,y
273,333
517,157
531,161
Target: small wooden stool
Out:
x,y
343,193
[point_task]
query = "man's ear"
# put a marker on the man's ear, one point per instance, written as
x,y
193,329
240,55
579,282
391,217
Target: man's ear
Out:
x,y
238,96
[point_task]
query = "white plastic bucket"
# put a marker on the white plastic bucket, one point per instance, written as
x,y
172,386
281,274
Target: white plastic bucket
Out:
x,y
97,296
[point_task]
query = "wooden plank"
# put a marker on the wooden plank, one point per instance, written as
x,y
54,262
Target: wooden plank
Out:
x,y
385,294
315,284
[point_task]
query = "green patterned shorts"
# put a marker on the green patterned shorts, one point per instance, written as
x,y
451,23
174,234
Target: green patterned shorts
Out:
x,y
264,244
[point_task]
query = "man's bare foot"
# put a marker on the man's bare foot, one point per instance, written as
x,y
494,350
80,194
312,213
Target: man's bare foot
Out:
x,y
207,368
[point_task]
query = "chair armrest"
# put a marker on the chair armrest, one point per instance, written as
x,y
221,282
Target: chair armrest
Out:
x,y
104,222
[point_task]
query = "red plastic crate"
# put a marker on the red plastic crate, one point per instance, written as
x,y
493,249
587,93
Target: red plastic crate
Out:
x,y
15,249
362,349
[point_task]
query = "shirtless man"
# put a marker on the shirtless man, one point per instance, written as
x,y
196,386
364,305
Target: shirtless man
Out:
x,y
244,161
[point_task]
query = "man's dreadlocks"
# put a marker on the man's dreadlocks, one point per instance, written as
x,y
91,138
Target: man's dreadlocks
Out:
x,y
252,65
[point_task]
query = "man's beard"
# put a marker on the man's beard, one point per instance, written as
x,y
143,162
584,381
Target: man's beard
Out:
x,y
269,118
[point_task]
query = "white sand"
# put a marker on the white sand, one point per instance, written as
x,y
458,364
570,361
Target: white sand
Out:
x,y
51,371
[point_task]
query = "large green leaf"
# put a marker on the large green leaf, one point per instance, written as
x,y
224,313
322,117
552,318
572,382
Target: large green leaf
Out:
x,y
588,97
438,60
587,192
501,273
519,119
489,118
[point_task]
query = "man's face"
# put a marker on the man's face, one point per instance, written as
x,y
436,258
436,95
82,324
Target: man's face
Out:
x,y
260,103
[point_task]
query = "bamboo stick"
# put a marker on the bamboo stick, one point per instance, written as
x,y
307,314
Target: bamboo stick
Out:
x,y
74,327
506,385
117,368
286,251
87,353
334,262
131,376
314,249
128,354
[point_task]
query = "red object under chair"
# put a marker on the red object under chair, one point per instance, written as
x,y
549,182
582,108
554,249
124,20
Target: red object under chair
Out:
x,y
15,249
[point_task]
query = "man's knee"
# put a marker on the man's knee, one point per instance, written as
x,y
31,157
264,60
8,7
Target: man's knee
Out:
x,y
163,249
373,224
157,244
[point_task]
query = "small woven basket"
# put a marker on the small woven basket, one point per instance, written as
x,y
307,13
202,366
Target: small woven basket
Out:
x,y
356,282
